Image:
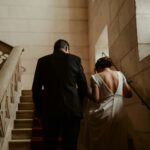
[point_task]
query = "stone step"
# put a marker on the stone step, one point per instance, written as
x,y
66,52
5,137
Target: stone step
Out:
x,y
25,106
23,123
26,99
19,144
26,92
24,114
18,134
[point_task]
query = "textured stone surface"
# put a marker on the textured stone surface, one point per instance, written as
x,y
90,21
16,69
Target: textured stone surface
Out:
x,y
37,24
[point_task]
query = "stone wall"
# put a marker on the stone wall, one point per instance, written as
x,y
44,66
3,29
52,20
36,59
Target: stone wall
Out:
x,y
120,18
143,23
37,24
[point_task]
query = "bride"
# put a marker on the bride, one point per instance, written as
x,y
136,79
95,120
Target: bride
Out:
x,y
105,125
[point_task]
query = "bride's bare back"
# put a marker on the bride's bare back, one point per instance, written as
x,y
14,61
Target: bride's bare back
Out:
x,y
110,77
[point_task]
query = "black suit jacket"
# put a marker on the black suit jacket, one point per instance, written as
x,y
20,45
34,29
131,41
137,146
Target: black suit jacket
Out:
x,y
59,85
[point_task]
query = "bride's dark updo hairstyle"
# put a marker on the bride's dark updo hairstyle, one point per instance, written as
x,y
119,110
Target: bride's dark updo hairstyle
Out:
x,y
103,62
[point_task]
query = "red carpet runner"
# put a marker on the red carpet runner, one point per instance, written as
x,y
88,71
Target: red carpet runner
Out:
x,y
37,141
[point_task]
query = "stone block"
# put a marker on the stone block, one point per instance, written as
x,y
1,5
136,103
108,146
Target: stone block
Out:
x,y
125,42
142,6
54,3
139,116
146,84
81,51
126,13
29,65
14,25
38,39
4,2
143,23
27,80
3,11
129,63
133,33
73,39
36,51
115,6
85,65
138,83
58,26
46,12
144,50
114,31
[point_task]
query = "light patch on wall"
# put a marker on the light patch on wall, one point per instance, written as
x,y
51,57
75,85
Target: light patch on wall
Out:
x,y
143,24
144,50
101,46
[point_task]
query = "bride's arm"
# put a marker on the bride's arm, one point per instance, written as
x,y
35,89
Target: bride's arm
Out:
x,y
96,93
126,89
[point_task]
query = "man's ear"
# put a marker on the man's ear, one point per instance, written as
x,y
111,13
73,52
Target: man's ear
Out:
x,y
67,49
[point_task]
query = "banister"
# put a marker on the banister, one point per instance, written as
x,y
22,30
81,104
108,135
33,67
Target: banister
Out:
x,y
130,84
8,69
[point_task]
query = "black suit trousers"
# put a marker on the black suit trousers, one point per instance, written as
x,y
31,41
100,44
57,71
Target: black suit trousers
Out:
x,y
66,128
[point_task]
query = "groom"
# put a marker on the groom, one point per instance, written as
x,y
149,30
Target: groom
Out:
x,y
59,88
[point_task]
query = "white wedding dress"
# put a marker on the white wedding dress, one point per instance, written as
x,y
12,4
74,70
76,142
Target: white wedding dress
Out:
x,y
104,127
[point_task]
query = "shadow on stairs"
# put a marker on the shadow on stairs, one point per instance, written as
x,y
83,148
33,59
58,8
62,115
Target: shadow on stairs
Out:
x,y
27,132
37,140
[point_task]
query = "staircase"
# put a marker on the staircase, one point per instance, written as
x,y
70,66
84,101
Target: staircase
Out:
x,y
22,132
27,132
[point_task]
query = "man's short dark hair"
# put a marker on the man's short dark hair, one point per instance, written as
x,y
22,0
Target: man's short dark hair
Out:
x,y
60,44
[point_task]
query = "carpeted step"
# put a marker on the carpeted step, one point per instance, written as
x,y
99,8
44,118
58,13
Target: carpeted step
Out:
x,y
24,114
23,123
19,144
37,140
26,92
26,106
19,134
37,143
27,98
